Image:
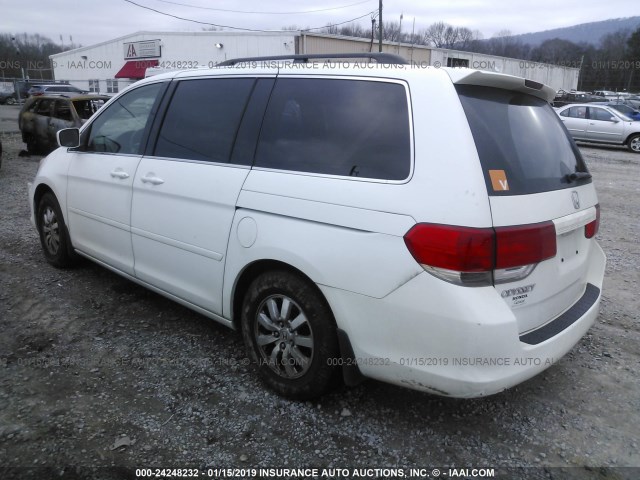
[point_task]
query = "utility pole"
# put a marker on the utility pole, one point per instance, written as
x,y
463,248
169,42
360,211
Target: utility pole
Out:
x,y
413,37
380,26
373,31
400,33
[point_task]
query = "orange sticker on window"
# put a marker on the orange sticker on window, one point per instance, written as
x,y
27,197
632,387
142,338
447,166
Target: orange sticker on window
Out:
x,y
499,180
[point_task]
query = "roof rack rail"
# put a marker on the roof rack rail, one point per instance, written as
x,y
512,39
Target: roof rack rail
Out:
x,y
382,58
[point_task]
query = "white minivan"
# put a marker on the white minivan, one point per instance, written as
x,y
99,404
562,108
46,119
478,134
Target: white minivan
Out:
x,y
428,227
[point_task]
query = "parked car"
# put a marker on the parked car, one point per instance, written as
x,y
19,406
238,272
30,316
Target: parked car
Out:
x,y
8,98
633,101
42,116
57,89
601,124
431,228
565,98
626,109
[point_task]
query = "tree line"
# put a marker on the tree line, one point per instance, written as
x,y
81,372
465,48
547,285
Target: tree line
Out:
x,y
28,53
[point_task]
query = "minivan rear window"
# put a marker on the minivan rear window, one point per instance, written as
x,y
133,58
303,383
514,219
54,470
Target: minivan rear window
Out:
x,y
523,146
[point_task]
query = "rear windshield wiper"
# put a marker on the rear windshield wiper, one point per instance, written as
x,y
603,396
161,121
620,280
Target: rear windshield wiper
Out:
x,y
572,177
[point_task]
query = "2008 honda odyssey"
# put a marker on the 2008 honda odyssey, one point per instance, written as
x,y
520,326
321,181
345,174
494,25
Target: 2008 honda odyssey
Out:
x,y
432,228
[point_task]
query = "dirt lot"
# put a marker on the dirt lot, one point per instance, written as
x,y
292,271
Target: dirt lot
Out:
x,y
99,377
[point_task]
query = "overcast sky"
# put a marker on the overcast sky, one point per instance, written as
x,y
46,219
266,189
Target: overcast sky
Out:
x,y
93,21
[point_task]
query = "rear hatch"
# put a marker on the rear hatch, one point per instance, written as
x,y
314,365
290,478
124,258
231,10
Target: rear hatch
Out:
x,y
543,203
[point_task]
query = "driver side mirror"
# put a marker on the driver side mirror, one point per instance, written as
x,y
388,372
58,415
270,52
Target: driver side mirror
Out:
x,y
69,137
614,120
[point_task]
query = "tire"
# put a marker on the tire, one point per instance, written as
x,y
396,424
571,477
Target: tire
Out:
x,y
633,144
290,335
54,236
10,101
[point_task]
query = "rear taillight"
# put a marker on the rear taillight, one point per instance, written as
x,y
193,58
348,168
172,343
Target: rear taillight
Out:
x,y
591,228
481,256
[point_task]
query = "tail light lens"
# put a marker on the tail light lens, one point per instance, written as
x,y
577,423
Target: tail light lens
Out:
x,y
591,228
481,256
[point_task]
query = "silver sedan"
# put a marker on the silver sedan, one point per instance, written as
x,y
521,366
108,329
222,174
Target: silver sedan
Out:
x,y
589,122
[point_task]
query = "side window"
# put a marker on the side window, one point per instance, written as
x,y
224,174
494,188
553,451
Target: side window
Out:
x,y
600,114
120,128
44,108
575,112
202,120
352,128
62,110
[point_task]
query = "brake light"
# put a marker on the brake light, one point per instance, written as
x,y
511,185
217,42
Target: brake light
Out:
x,y
481,256
455,248
591,228
525,244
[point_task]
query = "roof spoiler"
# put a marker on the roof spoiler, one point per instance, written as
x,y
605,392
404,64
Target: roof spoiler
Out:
x,y
501,80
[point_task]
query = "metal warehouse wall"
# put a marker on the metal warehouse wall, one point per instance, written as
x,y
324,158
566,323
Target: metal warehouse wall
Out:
x,y
557,77
317,43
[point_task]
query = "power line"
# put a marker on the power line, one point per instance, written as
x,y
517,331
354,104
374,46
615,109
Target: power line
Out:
x,y
264,13
239,28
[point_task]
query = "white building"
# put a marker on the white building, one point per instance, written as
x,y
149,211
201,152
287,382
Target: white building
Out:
x,y
109,66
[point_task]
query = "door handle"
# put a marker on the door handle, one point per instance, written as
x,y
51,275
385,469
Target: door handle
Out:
x,y
118,173
152,179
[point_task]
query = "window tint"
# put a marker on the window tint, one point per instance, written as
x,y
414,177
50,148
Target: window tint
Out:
x,y
575,112
203,118
338,127
120,128
600,114
519,138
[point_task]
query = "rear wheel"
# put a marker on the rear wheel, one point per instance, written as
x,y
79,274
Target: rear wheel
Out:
x,y
634,143
53,232
10,101
290,335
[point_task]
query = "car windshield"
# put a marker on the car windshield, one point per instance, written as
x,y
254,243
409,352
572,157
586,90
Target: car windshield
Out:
x,y
624,115
520,141
623,108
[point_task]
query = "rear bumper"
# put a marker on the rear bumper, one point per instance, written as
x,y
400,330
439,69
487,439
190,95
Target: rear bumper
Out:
x,y
461,342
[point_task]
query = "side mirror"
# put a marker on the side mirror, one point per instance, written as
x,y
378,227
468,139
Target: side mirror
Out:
x,y
614,119
69,137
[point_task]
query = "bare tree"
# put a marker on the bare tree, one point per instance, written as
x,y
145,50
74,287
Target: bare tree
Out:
x,y
435,34
391,31
465,38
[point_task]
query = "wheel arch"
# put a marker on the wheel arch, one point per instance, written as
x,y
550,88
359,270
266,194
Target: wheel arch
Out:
x,y
250,272
39,192
630,137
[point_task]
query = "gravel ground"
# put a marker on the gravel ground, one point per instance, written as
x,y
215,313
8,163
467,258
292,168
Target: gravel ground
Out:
x,y
99,376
